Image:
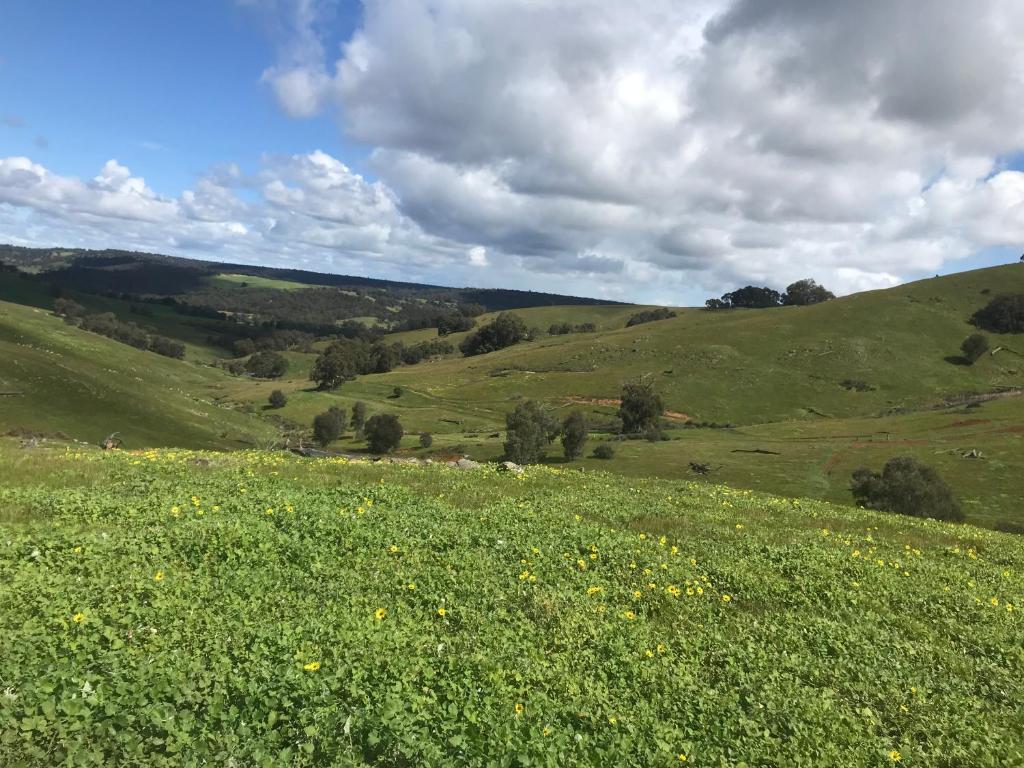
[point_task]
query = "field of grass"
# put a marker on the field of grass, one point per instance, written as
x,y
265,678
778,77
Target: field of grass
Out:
x,y
176,608
255,281
87,386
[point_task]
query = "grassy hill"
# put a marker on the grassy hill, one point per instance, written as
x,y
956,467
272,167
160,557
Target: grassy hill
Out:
x,y
86,386
170,608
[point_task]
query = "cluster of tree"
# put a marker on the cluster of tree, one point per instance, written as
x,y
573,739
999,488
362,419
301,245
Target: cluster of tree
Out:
x,y
908,487
383,431
1003,314
266,365
454,322
107,324
345,359
504,331
561,329
276,340
649,316
800,293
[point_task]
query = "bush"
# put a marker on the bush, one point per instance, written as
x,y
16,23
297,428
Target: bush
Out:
x,y
397,392
529,430
574,435
604,451
750,297
277,399
649,316
426,440
454,323
908,487
641,407
973,347
504,331
383,433
266,365
1004,314
856,385
329,426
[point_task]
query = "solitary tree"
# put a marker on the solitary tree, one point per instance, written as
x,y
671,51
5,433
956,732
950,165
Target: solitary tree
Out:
x,y
328,426
266,365
383,432
529,430
804,292
574,435
426,440
277,399
358,417
641,407
332,368
973,347
908,487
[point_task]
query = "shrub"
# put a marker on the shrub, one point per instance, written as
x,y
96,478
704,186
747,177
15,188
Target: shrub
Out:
x,y
426,440
604,451
266,365
574,435
973,347
454,323
529,430
856,385
908,487
641,407
1004,314
329,426
504,331
649,316
277,399
383,432
397,392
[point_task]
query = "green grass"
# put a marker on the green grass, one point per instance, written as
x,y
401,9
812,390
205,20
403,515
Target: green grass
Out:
x,y
87,386
256,609
255,281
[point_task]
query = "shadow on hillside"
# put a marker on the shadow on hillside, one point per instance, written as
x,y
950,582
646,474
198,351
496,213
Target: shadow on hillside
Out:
x,y
957,360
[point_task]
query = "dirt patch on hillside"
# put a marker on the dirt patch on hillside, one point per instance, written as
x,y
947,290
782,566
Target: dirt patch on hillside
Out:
x,y
615,402
1017,430
967,423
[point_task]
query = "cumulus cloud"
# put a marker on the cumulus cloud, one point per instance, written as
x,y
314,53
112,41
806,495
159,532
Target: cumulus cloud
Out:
x,y
643,150
697,143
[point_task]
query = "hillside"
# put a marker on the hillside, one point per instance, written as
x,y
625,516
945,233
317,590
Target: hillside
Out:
x,y
260,609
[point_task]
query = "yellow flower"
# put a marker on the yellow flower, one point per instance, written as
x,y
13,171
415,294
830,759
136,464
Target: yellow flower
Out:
x,y
393,548
441,611
689,590
895,756
726,598
519,708
379,614
994,600
593,590
700,590
637,593
78,550
661,647
313,666
78,618
582,564
740,526
681,757
360,511
649,654
628,615
158,576
412,585
593,556
175,511
524,575
216,507
546,731
532,579
693,561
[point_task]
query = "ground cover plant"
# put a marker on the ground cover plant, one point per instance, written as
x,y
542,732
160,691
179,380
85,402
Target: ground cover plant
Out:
x,y
178,608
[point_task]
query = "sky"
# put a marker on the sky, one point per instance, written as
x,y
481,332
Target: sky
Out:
x,y
661,151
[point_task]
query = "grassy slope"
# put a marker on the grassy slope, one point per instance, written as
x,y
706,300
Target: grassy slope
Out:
x,y
87,386
847,634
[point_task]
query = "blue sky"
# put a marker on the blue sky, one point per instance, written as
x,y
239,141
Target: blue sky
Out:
x,y
660,151
166,88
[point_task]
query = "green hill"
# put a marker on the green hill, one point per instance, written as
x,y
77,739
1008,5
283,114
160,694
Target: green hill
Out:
x,y
174,608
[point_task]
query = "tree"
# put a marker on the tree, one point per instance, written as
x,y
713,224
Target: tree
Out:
x,y
332,368
383,432
277,399
69,309
530,428
504,331
266,365
649,316
973,347
1003,314
574,435
454,323
329,426
641,407
750,297
908,487
358,417
426,440
804,292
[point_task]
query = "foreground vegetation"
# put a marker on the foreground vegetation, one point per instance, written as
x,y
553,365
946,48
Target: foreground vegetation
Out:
x,y
178,608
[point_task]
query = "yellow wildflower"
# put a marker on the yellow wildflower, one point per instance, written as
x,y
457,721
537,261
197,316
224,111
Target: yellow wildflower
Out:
x,y
78,618
519,708
628,615
158,576
593,590
313,666
441,611
726,598
379,614
895,756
